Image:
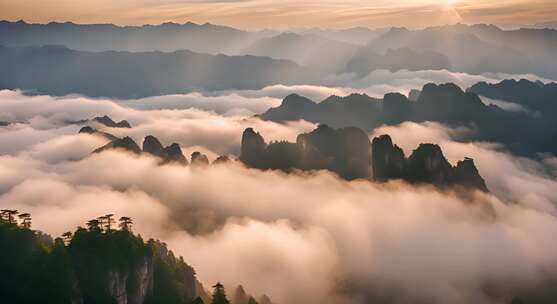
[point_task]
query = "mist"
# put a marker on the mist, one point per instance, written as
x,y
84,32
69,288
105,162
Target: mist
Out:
x,y
307,237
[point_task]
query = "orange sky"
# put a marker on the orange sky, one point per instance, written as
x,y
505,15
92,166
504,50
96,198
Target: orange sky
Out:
x,y
256,14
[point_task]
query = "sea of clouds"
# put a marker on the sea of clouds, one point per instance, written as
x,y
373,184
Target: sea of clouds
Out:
x,y
300,238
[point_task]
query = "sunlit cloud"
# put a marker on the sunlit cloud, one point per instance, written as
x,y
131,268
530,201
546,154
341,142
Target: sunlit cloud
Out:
x,y
285,14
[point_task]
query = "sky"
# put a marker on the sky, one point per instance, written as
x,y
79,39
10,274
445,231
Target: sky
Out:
x,y
284,14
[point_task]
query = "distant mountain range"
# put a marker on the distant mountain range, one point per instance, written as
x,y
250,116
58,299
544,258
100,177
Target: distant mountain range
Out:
x,y
473,49
532,131
57,70
480,48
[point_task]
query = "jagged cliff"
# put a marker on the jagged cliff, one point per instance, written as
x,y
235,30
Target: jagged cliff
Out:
x,y
349,153
98,265
345,151
426,164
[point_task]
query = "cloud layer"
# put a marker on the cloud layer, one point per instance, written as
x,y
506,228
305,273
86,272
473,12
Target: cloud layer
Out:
x,y
301,238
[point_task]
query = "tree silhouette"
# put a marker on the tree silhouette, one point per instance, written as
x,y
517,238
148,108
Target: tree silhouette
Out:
x,y
67,237
219,295
126,223
94,225
106,222
26,220
9,215
197,300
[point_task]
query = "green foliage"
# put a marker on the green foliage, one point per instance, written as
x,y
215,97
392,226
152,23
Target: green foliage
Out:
x,y
96,254
219,295
36,269
170,283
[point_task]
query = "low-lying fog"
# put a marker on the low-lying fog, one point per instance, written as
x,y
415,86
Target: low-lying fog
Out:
x,y
300,238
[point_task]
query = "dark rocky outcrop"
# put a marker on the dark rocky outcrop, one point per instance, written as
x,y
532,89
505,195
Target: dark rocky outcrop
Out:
x,y
388,160
199,159
444,103
223,159
91,130
355,110
534,96
107,121
467,175
126,143
174,154
153,146
397,108
426,164
253,147
349,153
345,151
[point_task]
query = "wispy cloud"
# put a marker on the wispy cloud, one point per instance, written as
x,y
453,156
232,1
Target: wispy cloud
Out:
x,y
285,14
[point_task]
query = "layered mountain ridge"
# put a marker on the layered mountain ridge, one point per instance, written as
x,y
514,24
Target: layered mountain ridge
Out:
x,y
444,103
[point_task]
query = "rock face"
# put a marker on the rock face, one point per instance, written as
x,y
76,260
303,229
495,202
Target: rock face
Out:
x,y
397,108
466,174
346,151
388,160
126,143
174,154
107,121
253,148
199,159
534,127
426,164
223,159
153,146
90,130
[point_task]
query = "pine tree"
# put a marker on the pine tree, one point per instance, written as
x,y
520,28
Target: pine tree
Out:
x,y
219,295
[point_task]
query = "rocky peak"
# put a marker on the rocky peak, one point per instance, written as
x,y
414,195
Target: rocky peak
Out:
x,y
90,130
396,108
467,175
427,164
87,130
223,159
107,121
199,159
126,143
174,154
153,146
253,147
388,160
